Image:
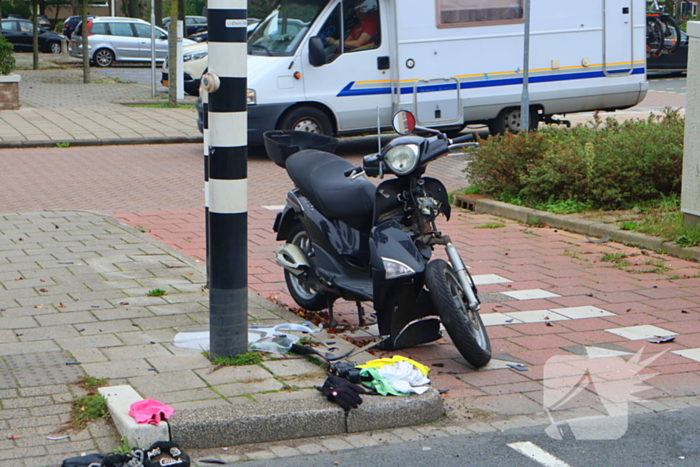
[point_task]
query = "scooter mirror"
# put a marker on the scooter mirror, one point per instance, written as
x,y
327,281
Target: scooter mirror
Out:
x,y
403,122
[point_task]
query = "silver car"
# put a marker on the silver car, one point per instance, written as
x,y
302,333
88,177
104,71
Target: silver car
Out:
x,y
116,39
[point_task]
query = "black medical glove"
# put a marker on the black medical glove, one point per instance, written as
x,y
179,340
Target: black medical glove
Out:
x,y
342,392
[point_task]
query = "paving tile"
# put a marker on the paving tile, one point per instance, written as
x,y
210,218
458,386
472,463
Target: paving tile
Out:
x,y
641,332
160,383
291,367
581,312
530,294
495,319
541,342
692,354
252,388
483,279
483,378
680,384
507,404
233,374
536,316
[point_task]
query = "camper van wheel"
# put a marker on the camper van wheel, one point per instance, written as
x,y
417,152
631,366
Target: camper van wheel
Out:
x,y
509,120
307,119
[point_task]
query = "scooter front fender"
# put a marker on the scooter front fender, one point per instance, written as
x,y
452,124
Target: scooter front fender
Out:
x,y
389,241
284,221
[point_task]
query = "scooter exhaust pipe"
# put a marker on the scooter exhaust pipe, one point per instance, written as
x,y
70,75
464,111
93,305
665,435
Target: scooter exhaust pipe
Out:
x,y
290,257
461,271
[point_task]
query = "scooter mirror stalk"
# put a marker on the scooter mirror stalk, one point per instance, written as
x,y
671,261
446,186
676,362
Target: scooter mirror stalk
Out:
x,y
403,122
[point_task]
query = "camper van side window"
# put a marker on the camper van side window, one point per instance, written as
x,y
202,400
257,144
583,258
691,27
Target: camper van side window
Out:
x,y
465,13
331,33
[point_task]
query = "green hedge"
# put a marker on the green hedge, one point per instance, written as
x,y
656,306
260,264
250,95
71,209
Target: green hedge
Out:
x,y
7,60
603,164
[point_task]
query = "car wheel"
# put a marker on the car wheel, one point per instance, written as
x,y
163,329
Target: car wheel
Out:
x,y
307,119
55,47
103,58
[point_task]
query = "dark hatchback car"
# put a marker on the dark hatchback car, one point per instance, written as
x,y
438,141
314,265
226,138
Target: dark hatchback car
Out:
x,y
193,24
70,24
19,33
673,63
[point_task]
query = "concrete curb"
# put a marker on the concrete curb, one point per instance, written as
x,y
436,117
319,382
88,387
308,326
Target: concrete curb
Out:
x,y
119,400
302,418
101,142
573,224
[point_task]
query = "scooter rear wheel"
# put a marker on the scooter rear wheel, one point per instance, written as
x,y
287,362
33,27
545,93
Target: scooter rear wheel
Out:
x,y
305,296
463,324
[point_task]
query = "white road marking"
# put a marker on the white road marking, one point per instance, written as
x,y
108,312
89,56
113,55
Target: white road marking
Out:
x,y
537,454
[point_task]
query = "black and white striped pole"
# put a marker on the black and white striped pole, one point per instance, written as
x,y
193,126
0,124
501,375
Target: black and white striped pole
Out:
x,y
205,138
226,84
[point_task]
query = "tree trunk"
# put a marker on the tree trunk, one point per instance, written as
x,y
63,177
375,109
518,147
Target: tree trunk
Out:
x,y
35,36
86,54
158,6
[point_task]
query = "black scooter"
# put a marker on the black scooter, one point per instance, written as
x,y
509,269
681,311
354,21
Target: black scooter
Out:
x,y
347,238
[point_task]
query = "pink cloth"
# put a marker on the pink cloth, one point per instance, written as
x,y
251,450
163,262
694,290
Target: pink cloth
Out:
x,y
150,411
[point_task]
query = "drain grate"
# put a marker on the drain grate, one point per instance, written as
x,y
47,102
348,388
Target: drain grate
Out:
x,y
37,360
6,380
32,377
38,369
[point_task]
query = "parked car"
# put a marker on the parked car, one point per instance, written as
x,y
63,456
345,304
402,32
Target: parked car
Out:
x,y
204,35
194,64
14,16
670,63
193,24
116,39
70,24
43,22
19,32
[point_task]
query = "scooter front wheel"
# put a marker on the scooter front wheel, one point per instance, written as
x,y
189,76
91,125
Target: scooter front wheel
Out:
x,y
304,295
463,324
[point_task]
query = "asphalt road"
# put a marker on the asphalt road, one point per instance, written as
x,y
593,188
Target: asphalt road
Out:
x,y
666,439
666,83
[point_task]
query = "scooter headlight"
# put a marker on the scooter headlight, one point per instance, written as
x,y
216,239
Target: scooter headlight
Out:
x,y
396,269
402,159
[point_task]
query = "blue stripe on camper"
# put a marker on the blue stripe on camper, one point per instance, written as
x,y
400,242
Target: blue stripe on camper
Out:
x,y
369,91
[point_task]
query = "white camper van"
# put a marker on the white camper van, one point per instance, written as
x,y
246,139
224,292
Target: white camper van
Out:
x,y
340,66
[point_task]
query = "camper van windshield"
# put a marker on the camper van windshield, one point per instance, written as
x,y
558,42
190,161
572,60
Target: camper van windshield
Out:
x,y
284,28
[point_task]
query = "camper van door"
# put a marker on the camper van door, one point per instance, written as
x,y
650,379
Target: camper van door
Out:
x,y
618,37
355,80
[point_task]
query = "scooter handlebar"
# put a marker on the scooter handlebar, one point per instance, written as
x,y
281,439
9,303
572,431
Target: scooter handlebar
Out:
x,y
463,139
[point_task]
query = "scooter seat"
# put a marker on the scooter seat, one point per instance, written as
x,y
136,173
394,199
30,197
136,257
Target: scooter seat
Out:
x,y
320,177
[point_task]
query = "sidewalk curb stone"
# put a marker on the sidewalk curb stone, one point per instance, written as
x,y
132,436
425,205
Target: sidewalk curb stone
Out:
x,y
571,224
